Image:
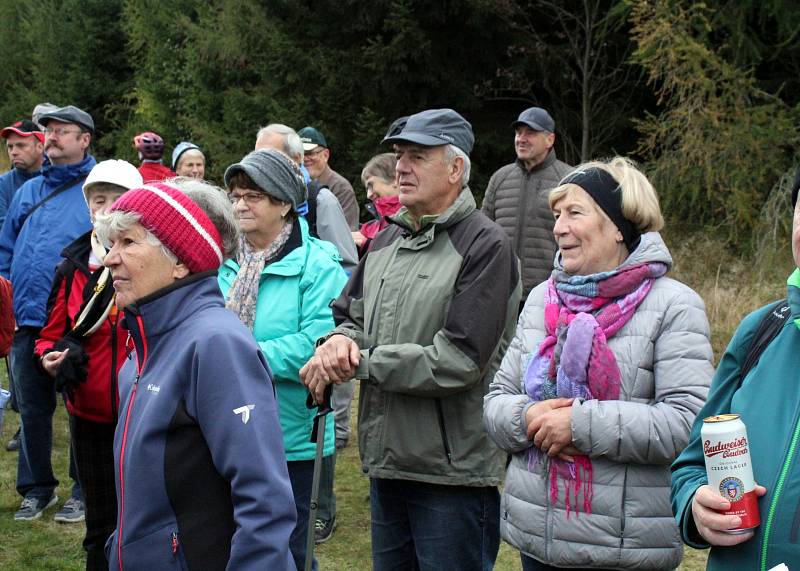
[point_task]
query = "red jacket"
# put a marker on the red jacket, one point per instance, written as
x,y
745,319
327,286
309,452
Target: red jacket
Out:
x,y
155,172
97,399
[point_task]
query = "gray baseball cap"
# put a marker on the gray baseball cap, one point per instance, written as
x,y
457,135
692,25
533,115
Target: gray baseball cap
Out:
x,y
69,114
435,127
537,119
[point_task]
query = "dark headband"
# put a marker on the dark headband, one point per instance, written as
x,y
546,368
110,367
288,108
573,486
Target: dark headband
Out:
x,y
605,191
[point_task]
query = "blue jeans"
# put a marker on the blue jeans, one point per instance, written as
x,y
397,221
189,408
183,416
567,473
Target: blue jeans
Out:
x,y
430,527
36,398
301,475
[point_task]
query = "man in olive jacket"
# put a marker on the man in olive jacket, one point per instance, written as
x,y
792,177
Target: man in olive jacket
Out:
x,y
423,323
516,197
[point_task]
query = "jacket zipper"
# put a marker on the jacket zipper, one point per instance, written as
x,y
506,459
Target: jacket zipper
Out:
x,y
139,366
372,315
622,513
776,496
440,415
174,543
521,214
114,411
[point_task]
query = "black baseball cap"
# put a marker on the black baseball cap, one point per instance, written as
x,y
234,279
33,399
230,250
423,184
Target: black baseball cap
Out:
x,y
24,128
435,127
311,138
537,119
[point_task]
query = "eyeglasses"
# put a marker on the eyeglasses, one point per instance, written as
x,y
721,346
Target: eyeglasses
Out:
x,y
315,152
249,198
60,131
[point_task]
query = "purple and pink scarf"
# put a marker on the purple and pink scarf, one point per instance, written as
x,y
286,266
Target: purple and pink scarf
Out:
x,y
574,361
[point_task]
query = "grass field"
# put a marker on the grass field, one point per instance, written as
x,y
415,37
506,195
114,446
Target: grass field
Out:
x,y
730,287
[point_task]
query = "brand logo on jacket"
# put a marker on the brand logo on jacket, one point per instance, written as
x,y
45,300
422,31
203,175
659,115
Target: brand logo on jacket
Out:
x,y
153,388
244,411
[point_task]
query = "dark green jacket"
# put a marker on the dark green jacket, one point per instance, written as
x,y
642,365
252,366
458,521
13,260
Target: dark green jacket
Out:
x,y
432,312
768,399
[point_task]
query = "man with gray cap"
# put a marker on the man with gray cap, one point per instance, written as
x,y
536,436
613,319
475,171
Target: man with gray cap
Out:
x,y
47,213
423,323
516,197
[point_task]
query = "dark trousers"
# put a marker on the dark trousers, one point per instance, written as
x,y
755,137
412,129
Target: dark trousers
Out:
x,y
36,398
429,527
530,564
301,475
93,447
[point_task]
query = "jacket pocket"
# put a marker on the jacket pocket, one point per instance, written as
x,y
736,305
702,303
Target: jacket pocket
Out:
x,y
160,549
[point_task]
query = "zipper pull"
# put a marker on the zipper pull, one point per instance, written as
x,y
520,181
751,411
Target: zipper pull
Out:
x,y
174,542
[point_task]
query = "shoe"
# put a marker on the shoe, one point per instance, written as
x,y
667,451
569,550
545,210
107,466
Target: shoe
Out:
x,y
13,444
32,508
323,530
70,512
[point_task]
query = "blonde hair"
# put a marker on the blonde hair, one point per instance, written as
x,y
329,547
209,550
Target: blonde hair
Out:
x,y
639,200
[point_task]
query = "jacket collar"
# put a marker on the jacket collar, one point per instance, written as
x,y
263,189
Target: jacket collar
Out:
x,y
56,175
455,213
548,160
78,251
153,315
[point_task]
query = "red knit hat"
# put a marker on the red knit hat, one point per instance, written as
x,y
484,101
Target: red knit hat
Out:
x,y
178,222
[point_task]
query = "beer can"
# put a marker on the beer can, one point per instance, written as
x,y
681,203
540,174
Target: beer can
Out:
x,y
727,454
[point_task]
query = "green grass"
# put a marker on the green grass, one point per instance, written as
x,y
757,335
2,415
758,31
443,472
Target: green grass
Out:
x,y
44,545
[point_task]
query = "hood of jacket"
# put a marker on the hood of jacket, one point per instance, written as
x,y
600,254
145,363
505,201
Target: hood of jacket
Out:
x,y
56,175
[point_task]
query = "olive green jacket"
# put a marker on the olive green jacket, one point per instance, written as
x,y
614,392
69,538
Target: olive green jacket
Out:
x,y
432,311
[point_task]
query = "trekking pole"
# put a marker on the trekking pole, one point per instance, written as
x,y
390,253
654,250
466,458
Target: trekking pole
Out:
x,y
317,436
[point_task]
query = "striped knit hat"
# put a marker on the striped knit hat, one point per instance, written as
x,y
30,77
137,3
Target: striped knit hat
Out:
x,y
180,224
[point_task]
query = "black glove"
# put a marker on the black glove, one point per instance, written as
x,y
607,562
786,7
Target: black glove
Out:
x,y
74,368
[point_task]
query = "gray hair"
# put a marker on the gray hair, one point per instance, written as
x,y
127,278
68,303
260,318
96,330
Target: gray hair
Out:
x,y
292,145
211,199
116,222
450,153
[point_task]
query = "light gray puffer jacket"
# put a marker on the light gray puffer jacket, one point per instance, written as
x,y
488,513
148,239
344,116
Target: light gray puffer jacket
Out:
x,y
665,360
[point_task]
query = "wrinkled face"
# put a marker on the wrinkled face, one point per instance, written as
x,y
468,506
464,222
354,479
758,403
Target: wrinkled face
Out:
x,y
587,239
192,164
316,160
377,187
25,153
64,143
256,212
532,146
100,200
138,268
427,182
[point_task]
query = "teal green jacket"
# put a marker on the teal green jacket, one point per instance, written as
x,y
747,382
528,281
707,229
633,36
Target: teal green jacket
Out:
x,y
292,312
768,400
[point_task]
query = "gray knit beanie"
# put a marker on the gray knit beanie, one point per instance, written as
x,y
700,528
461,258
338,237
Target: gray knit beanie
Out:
x,y
274,173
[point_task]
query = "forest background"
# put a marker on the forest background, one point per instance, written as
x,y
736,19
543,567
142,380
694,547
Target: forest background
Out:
x,y
704,95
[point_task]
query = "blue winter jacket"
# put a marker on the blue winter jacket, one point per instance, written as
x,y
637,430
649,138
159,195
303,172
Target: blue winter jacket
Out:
x,y
768,400
201,476
30,249
9,183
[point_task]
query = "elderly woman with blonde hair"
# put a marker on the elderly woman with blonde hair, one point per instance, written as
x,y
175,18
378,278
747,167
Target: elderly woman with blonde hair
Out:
x,y
599,388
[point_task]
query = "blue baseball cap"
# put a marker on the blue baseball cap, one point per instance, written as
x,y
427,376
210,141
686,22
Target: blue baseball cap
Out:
x,y
435,127
537,119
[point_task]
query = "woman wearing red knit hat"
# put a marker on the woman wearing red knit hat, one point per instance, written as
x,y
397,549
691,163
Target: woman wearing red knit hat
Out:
x,y
200,467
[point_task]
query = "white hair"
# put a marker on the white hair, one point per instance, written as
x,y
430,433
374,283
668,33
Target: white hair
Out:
x,y
292,145
450,153
209,198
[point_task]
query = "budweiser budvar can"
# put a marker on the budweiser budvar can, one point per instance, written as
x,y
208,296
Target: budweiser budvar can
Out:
x,y
727,453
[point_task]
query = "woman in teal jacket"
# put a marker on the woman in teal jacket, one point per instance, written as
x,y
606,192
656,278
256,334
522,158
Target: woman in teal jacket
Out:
x,y
768,400
281,286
